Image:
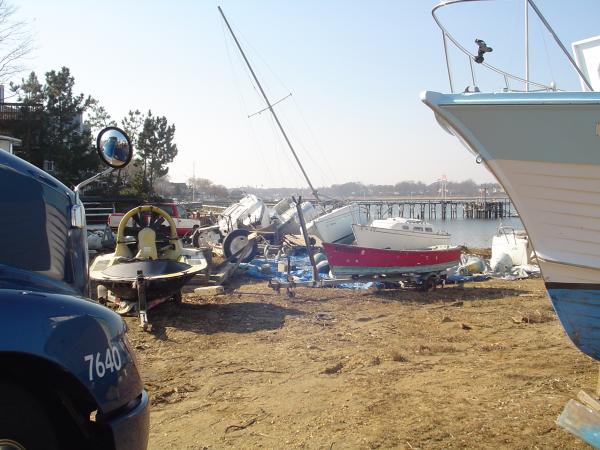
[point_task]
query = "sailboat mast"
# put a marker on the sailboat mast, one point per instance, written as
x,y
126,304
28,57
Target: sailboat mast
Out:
x,y
269,106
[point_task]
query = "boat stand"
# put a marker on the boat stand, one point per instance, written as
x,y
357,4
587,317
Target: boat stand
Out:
x,y
142,305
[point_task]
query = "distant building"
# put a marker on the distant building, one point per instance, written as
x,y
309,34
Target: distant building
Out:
x,y
22,120
180,191
7,143
236,194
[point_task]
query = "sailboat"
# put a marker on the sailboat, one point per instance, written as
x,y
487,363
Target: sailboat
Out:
x,y
399,233
543,146
331,226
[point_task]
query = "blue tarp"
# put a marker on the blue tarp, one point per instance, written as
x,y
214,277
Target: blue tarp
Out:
x,y
457,278
302,271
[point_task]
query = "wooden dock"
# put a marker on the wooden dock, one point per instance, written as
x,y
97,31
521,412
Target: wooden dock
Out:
x,y
426,208
430,208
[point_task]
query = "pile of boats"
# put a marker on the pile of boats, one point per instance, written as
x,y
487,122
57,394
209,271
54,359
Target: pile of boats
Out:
x,y
382,247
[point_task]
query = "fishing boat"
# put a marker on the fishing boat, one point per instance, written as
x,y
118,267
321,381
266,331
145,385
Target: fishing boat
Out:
x,y
336,225
399,233
352,260
543,146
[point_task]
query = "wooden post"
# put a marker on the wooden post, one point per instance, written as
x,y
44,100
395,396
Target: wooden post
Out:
x,y
306,238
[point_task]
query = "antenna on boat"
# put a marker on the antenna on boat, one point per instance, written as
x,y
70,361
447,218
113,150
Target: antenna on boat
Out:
x,y
526,46
270,106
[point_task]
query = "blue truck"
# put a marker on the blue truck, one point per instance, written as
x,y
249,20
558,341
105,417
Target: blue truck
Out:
x,y
68,375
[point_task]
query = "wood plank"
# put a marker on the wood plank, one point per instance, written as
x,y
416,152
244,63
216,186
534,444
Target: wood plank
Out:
x,y
581,421
588,400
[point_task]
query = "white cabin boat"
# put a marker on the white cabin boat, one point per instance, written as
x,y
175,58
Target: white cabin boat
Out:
x,y
336,226
399,233
250,211
285,215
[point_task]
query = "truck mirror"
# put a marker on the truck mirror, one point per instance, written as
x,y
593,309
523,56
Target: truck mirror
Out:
x,y
114,147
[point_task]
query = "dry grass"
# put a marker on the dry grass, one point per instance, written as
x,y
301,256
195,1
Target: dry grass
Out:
x,y
432,349
538,316
399,357
336,368
494,346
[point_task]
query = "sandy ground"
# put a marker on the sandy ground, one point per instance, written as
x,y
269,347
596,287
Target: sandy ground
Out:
x,y
484,366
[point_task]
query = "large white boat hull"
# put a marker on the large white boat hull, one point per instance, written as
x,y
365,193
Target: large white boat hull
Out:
x,y
544,148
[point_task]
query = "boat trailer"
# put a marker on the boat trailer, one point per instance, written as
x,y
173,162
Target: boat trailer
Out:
x,y
424,282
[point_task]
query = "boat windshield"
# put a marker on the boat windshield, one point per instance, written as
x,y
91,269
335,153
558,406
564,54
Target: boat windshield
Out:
x,y
181,212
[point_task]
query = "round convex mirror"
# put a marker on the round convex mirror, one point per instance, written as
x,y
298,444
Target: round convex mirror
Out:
x,y
114,147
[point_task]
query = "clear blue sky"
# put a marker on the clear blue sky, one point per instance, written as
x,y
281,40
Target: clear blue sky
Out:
x,y
355,69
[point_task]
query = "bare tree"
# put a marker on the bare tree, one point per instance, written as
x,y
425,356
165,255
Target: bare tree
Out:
x,y
16,41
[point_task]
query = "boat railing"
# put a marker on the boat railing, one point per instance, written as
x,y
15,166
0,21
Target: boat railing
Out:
x,y
505,231
478,59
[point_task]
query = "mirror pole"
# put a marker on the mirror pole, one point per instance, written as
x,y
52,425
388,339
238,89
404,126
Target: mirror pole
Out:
x,y
89,180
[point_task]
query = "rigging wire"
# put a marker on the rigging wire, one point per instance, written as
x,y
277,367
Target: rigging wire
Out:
x,y
242,104
304,149
282,151
328,177
252,72
548,60
316,142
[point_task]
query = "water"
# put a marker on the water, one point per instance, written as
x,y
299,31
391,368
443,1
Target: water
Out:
x,y
474,232
468,232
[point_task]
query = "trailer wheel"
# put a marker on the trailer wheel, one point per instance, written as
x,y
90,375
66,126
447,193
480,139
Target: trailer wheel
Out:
x,y
20,413
236,241
429,283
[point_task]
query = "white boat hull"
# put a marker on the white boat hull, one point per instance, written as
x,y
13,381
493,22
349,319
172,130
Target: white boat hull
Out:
x,y
336,226
382,238
545,150
249,211
510,248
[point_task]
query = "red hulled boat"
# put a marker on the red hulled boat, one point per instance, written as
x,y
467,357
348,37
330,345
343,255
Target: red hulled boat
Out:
x,y
351,260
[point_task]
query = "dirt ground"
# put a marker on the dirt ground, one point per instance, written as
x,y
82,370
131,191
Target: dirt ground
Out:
x,y
484,366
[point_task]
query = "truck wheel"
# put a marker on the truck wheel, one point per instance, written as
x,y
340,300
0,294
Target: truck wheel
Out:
x,y
178,297
24,423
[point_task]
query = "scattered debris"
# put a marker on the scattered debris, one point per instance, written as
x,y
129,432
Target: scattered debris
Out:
x,y
241,426
398,357
209,291
535,317
324,316
333,369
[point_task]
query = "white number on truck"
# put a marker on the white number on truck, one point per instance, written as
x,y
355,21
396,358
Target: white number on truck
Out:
x,y
103,362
